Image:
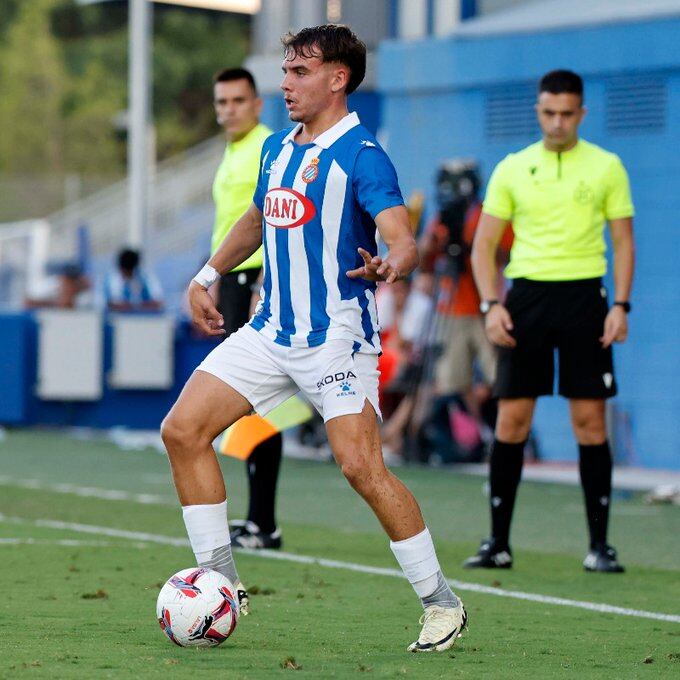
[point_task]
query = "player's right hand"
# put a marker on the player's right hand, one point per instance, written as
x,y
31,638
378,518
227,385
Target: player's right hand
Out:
x,y
374,269
204,314
498,326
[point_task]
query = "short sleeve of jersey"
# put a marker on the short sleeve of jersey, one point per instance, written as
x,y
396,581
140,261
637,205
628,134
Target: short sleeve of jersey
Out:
x,y
618,202
262,179
375,183
498,200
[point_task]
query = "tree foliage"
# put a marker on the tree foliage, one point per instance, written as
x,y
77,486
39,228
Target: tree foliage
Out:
x,y
32,82
63,78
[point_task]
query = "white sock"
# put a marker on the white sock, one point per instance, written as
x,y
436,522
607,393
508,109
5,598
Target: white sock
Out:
x,y
418,560
208,531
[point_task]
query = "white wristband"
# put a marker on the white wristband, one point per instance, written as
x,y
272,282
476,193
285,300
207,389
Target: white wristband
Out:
x,y
207,276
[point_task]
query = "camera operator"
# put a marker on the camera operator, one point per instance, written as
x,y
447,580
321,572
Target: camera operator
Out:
x,y
466,353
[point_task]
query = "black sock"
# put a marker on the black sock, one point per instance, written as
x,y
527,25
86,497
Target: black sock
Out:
x,y
595,466
263,473
505,471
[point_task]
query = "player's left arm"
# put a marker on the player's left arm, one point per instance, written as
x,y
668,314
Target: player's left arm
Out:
x,y
402,254
619,211
616,322
376,189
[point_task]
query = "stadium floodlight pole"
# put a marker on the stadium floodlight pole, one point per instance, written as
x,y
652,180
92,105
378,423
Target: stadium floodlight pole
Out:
x,y
139,22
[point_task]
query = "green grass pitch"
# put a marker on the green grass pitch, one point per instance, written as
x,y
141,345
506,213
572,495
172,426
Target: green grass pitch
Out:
x,y
82,605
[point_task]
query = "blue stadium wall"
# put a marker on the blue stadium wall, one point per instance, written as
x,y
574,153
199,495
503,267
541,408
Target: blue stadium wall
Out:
x,y
473,97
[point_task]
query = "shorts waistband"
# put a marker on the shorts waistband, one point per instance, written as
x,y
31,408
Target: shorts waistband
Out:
x,y
577,283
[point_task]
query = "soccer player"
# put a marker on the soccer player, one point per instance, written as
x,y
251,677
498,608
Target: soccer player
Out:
x,y
558,193
237,109
324,187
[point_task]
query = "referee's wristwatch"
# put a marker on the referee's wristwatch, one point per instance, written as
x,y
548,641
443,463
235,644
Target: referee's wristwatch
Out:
x,y
486,305
624,304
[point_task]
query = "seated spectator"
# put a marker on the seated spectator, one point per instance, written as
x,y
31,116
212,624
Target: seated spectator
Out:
x,y
131,289
66,287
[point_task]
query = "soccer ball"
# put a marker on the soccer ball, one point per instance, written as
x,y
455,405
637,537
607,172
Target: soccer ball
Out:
x,y
197,608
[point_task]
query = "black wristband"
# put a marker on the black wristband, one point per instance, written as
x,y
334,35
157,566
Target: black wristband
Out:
x,y
625,304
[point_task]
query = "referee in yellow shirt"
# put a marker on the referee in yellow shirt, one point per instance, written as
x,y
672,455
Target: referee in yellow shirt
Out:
x,y
237,109
558,193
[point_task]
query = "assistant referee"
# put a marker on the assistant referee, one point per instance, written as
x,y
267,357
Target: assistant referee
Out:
x,y
558,193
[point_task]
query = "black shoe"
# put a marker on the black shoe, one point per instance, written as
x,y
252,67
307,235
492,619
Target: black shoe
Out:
x,y
245,534
489,556
603,558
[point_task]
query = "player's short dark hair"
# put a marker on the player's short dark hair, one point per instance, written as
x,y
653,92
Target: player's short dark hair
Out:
x,y
333,43
229,74
128,259
561,81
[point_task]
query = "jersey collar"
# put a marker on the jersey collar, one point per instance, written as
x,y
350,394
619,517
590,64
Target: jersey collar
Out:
x,y
246,138
573,151
330,136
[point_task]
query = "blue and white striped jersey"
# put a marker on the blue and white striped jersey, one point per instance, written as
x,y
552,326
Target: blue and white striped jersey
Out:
x,y
319,202
142,287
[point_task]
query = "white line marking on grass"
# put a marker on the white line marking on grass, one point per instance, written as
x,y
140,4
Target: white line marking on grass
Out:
x,y
99,531
68,542
88,491
472,587
352,566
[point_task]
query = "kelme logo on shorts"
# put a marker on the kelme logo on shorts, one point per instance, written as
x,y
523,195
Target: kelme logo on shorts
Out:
x,y
345,390
335,377
286,208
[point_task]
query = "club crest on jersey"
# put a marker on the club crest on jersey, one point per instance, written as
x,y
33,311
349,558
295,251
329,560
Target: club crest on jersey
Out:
x,y
286,208
311,172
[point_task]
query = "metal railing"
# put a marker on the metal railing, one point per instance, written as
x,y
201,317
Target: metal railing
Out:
x,y
179,198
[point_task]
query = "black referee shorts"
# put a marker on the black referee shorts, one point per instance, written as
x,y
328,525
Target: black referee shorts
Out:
x,y
567,316
235,295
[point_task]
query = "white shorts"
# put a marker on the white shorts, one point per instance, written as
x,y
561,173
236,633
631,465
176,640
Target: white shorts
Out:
x,y
336,379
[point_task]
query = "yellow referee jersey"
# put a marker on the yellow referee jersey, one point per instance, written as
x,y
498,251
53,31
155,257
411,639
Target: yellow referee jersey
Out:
x,y
558,204
234,187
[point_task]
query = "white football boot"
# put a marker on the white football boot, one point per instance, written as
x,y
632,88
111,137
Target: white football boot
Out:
x,y
441,627
243,599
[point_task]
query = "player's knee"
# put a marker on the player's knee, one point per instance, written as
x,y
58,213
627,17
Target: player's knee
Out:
x,y
359,476
589,429
362,477
353,473
512,425
170,432
176,434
